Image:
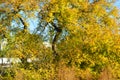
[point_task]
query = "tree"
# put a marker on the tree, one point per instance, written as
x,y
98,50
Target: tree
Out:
x,y
92,32
84,35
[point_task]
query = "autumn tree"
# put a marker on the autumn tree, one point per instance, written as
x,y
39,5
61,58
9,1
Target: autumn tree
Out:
x,y
92,32
21,42
84,36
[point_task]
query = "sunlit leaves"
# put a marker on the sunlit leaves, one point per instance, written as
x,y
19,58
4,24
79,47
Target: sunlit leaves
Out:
x,y
91,42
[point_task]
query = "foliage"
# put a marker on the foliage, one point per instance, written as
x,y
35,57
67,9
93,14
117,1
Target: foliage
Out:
x,y
83,35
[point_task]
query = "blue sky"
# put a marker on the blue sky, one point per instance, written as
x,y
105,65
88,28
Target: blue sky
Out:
x,y
117,3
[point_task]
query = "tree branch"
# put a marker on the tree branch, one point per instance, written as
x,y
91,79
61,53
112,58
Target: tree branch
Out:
x,y
24,24
55,39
